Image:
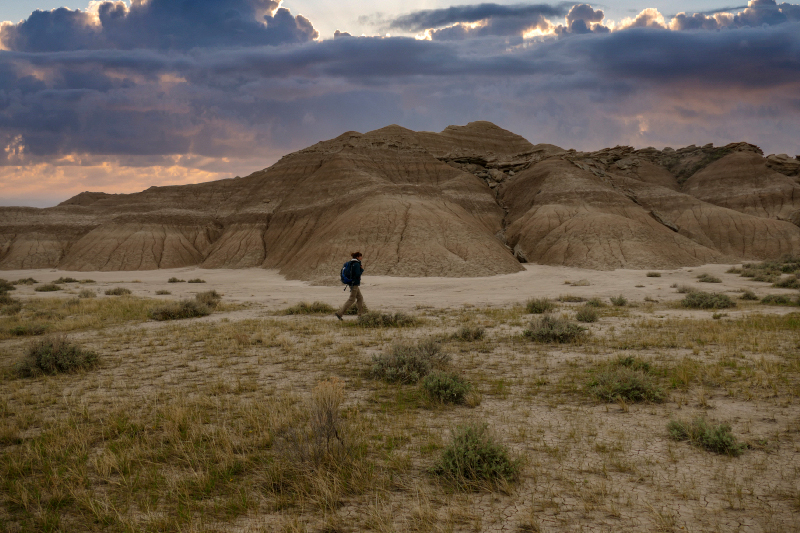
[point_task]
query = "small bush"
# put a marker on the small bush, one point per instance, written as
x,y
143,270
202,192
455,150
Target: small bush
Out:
x,y
66,280
634,363
87,293
48,287
408,363
748,295
118,291
209,298
386,320
569,298
446,387
29,329
684,289
176,280
162,293
708,278
554,329
787,283
538,306
5,299
55,354
5,286
11,307
734,270
466,333
776,299
595,302
586,313
707,300
626,383
653,274
196,280
304,308
179,310
713,437
26,281
473,456
619,301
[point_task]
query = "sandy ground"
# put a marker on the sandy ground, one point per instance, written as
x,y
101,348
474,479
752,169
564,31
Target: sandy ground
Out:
x,y
270,289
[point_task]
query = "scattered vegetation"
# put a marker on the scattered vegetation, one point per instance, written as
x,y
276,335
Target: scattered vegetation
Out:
x,y
791,282
118,291
653,274
619,301
580,283
175,280
627,379
209,298
770,271
179,310
707,300
683,289
27,329
5,286
748,295
87,293
569,298
305,308
26,281
708,278
776,299
386,320
446,387
66,280
162,293
595,302
473,457
551,329
48,287
196,280
467,333
587,313
713,437
408,363
538,306
54,354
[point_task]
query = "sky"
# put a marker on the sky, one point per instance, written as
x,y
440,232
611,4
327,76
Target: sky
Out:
x,y
118,96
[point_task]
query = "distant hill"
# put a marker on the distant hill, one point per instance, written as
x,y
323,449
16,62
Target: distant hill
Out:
x,y
473,200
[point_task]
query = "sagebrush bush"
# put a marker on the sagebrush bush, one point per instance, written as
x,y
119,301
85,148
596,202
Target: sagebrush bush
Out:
x,y
162,293
707,300
385,320
47,287
446,387
179,310
549,328
118,291
539,305
621,382
708,278
305,308
787,283
776,299
87,293
26,281
619,301
587,313
473,456
196,280
66,280
467,333
175,280
748,295
595,302
653,274
209,298
408,363
54,354
700,432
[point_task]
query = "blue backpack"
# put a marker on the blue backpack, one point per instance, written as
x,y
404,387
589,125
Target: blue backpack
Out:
x,y
345,274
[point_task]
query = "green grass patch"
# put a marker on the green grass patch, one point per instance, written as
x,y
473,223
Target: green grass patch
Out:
x,y
702,433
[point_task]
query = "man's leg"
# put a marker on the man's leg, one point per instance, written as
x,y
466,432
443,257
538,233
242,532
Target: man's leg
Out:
x,y
353,293
360,300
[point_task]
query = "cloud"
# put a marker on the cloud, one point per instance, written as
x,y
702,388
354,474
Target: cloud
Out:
x,y
437,18
158,24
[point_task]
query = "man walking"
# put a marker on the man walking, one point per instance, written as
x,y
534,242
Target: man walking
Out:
x,y
356,269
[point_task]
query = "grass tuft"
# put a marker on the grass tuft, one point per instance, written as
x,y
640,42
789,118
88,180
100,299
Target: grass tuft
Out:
x,y
87,293
595,302
175,280
707,300
713,437
66,280
118,291
196,280
26,281
748,295
304,308
587,313
538,306
386,320
408,363
47,287
776,299
708,278
55,354
446,387
467,333
209,298
549,328
473,457
622,382
619,301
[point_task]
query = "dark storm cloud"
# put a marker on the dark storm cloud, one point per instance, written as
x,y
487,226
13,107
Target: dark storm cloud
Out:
x,y
159,24
437,18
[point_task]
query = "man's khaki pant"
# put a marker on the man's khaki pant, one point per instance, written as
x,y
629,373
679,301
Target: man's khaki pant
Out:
x,y
355,296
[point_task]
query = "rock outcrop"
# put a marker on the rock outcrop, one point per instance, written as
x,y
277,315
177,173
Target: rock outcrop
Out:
x,y
472,200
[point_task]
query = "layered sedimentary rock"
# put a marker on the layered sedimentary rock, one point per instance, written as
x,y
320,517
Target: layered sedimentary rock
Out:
x,y
470,201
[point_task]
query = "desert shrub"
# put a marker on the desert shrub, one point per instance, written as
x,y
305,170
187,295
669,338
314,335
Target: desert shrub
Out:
x,y
28,329
66,280
776,299
707,300
209,298
787,283
162,293
54,354
587,313
408,363
48,287
179,310
538,306
87,293
621,382
634,363
570,298
175,280
734,270
683,289
6,286
653,274
473,456
619,301
26,281
554,329
304,308
118,291
386,320
467,333
713,437
6,299
708,278
196,280
446,387
86,281
748,295
595,302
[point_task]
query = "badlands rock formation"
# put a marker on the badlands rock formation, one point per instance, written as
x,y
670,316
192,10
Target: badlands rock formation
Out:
x,y
469,201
